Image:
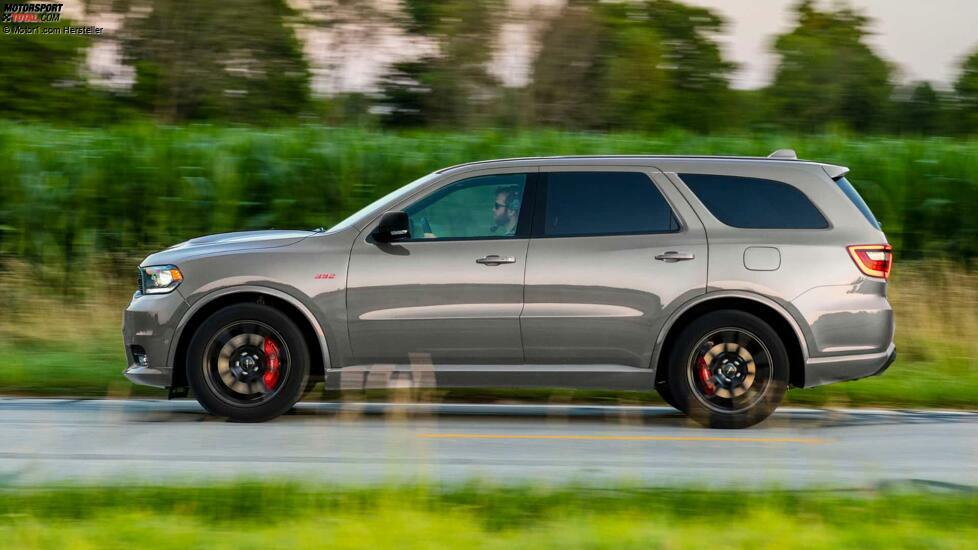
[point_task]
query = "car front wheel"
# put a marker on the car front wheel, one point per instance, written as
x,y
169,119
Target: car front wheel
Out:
x,y
248,362
728,369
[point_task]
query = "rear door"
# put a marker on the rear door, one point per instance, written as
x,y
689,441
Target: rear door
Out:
x,y
613,251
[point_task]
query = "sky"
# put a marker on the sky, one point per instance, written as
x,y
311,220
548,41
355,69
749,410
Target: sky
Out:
x,y
926,39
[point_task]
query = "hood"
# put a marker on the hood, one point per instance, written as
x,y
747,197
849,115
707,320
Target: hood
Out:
x,y
226,242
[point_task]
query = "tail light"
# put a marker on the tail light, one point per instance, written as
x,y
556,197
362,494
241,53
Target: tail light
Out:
x,y
874,260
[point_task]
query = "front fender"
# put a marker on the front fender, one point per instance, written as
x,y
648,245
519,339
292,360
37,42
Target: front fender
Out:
x,y
210,297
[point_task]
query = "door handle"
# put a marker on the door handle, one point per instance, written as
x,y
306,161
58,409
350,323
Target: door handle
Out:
x,y
495,259
672,256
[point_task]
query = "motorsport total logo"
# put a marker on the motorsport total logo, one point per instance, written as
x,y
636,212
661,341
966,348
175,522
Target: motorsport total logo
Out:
x,y
30,19
32,13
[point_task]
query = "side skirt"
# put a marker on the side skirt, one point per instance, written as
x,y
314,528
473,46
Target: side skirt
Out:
x,y
610,377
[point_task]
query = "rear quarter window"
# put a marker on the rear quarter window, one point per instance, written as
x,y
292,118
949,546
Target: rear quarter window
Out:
x,y
857,200
755,203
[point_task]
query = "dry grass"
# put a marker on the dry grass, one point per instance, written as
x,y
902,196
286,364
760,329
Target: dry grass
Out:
x,y
937,312
34,314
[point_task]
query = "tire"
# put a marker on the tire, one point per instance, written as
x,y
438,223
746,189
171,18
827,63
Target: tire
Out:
x,y
728,369
663,389
235,373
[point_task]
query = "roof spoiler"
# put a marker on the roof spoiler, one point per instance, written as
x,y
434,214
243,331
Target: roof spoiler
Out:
x,y
835,172
784,154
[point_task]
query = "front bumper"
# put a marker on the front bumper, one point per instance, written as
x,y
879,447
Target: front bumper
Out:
x,y
148,326
148,376
826,370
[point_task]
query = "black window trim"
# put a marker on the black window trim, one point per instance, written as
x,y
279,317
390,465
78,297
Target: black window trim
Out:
x,y
828,221
522,225
540,210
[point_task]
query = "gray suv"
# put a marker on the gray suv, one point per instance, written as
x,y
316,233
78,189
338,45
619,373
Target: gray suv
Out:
x,y
718,281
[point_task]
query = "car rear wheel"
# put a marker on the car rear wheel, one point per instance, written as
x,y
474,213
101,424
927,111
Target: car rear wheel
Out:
x,y
728,369
248,362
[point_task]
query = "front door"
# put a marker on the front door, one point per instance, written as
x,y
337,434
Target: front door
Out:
x,y
452,293
612,251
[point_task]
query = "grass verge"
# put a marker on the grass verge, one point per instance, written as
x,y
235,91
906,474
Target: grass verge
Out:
x,y
64,371
57,346
263,515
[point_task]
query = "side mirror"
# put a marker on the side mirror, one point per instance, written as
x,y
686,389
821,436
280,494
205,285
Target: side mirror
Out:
x,y
394,226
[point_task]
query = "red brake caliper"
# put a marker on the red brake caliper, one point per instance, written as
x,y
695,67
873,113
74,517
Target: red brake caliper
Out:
x,y
270,348
705,378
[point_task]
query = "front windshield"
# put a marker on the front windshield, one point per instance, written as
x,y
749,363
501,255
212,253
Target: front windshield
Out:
x,y
360,216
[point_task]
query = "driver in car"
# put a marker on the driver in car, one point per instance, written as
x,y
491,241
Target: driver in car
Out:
x,y
505,214
506,211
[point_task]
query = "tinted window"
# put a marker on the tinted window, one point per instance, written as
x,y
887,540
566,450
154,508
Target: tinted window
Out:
x,y
853,195
604,203
481,207
755,203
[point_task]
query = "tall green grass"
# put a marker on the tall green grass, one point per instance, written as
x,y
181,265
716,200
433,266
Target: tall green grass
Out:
x,y
270,515
69,194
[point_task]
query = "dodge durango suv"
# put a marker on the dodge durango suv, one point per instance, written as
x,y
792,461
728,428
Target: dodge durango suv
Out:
x,y
718,281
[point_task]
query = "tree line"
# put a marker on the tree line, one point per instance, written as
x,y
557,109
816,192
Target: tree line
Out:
x,y
639,65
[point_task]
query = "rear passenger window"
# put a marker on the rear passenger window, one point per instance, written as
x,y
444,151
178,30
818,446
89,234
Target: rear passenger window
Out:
x,y
755,203
604,203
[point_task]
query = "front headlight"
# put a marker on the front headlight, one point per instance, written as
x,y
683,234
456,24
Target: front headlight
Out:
x,y
160,279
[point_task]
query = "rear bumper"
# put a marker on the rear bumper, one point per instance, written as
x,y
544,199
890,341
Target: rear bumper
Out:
x,y
826,370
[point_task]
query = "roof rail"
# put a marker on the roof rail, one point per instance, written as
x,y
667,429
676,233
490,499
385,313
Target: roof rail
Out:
x,y
783,154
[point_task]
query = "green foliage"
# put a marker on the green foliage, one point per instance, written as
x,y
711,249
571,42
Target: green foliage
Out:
x,y
699,75
71,194
211,59
919,109
42,77
631,65
828,74
639,89
924,108
967,89
569,73
406,96
482,515
452,88
423,15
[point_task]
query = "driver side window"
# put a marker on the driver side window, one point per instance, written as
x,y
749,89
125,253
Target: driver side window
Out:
x,y
480,207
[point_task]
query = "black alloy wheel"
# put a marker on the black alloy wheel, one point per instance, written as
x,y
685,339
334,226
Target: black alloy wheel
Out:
x,y
248,362
728,369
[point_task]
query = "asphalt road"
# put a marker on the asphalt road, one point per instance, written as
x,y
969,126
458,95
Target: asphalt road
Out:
x,y
99,441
